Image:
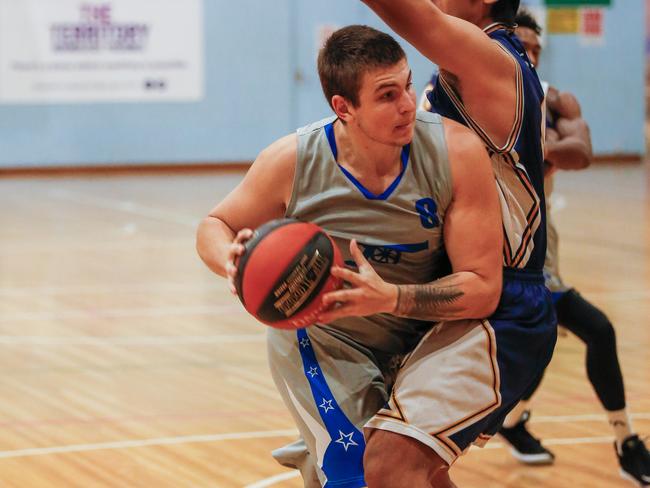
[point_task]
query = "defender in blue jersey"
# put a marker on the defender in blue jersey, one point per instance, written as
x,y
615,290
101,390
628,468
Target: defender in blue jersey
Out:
x,y
568,147
487,83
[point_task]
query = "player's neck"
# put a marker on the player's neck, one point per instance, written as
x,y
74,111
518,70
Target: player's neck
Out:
x,y
485,21
481,17
363,155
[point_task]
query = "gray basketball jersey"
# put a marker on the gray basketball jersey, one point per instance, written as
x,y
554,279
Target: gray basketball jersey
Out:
x,y
399,231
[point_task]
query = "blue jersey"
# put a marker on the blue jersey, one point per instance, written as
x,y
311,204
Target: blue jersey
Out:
x,y
518,165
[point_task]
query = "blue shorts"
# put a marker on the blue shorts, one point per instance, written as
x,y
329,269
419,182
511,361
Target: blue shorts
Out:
x,y
525,329
463,378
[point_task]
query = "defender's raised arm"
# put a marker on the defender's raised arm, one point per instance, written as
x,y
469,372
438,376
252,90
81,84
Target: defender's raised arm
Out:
x,y
454,37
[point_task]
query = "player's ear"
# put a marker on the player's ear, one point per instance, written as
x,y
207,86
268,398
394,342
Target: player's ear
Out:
x,y
342,107
490,2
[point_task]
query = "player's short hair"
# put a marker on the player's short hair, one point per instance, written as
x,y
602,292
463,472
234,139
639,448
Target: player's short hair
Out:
x,y
525,19
348,54
505,11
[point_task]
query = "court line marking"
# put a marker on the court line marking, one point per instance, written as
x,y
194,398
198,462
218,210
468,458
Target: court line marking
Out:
x,y
266,482
274,479
237,436
102,420
561,441
148,288
95,422
242,435
582,418
162,441
62,247
126,207
129,340
120,313
199,287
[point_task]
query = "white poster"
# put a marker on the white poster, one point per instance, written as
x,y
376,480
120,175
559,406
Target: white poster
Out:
x,y
83,51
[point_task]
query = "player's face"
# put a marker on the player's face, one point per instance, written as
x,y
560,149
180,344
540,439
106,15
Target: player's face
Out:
x,y
387,105
531,43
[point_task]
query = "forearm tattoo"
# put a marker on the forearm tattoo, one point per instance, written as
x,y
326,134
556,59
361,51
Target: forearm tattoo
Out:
x,y
431,301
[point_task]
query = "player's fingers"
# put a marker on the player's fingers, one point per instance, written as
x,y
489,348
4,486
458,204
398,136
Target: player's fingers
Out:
x,y
231,270
236,250
243,235
358,256
336,313
231,286
231,275
334,296
347,275
340,296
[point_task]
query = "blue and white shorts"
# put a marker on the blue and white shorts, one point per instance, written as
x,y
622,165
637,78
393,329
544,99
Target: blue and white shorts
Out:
x,y
453,390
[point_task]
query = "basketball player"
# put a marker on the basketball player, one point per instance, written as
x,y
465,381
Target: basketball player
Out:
x,y
487,83
407,193
568,147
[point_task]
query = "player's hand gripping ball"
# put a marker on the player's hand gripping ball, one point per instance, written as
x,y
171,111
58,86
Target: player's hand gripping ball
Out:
x,y
285,271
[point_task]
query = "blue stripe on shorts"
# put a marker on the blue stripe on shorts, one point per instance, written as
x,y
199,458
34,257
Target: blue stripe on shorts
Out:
x,y
343,461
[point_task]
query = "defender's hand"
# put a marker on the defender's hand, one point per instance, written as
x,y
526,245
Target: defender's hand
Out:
x,y
235,252
369,294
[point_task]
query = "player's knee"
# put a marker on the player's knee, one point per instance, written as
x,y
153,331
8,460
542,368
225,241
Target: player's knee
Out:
x,y
375,466
417,464
591,324
603,330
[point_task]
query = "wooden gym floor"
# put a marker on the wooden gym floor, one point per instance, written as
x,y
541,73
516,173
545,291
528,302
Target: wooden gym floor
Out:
x,y
127,364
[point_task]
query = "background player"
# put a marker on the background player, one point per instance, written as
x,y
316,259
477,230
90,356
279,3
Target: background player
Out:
x,y
568,147
378,174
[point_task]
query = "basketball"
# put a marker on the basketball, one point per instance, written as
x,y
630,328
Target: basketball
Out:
x,y
285,271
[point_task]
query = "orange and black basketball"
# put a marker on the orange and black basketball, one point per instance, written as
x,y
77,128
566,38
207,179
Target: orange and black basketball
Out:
x,y
285,271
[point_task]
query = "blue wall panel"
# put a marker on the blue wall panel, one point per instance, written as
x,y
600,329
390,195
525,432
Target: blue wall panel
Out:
x,y
261,83
608,79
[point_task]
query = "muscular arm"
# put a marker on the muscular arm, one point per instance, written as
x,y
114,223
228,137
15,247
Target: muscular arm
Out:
x,y
473,240
570,148
262,195
563,104
485,74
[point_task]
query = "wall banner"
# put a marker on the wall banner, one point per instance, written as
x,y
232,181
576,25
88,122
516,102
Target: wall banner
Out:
x,y
72,51
563,21
592,26
577,3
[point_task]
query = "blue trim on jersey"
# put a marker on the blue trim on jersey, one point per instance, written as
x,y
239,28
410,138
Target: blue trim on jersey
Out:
x,y
343,460
370,252
420,246
556,295
329,132
406,151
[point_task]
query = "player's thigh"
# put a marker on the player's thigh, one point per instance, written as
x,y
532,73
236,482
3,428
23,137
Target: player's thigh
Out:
x,y
418,465
331,387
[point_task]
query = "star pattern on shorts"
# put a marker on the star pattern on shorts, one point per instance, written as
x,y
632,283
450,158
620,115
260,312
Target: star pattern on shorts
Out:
x,y
313,371
304,342
346,440
326,405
